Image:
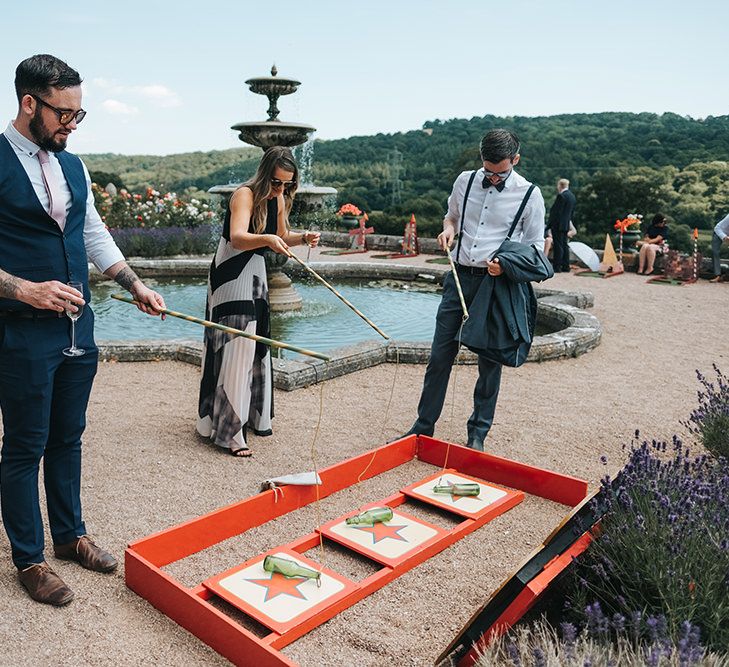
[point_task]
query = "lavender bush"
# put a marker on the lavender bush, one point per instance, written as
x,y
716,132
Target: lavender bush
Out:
x,y
663,547
166,241
710,420
540,645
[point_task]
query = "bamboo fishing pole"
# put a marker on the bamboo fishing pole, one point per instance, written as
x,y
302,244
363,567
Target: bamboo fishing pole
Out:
x,y
230,330
458,285
338,295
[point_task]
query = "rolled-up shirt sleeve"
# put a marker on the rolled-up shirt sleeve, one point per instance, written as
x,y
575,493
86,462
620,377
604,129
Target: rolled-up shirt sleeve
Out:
x,y
722,228
455,200
100,246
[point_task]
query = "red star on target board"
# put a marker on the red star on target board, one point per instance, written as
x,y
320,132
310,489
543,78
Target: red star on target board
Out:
x,y
454,498
381,531
280,585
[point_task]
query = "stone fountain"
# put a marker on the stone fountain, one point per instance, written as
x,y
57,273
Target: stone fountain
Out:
x,y
309,198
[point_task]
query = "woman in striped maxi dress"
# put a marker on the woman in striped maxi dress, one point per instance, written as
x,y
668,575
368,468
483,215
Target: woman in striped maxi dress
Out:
x,y
236,389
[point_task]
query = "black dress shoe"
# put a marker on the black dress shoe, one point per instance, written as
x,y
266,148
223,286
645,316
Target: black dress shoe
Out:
x,y
44,585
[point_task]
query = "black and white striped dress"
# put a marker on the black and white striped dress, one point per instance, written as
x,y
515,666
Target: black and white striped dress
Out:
x,y
236,389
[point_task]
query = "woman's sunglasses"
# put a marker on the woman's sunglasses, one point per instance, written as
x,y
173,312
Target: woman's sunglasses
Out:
x,y
277,183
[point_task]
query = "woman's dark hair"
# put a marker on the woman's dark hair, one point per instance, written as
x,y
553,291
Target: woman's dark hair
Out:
x,y
35,75
498,145
658,219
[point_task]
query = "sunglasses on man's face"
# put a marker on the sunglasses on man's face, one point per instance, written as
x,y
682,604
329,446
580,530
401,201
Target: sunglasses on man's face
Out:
x,y
277,183
501,174
65,116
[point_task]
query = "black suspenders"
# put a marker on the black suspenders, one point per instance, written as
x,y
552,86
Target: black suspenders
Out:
x,y
522,206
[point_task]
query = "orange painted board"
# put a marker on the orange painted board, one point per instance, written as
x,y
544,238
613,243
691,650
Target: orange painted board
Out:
x,y
553,486
210,625
525,600
278,602
185,539
390,543
491,501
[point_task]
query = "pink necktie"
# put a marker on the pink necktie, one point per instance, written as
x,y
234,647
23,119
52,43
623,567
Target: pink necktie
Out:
x,y
57,208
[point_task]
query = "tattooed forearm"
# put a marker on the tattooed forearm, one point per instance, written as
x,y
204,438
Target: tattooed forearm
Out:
x,y
126,278
8,285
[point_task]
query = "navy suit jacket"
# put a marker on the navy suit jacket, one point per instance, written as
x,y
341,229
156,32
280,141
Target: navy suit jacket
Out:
x,y
561,212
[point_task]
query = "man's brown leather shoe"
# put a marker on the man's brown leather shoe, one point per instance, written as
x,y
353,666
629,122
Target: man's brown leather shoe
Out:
x,y
44,585
84,551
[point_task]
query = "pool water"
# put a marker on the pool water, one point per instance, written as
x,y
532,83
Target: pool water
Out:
x,y
402,310
324,322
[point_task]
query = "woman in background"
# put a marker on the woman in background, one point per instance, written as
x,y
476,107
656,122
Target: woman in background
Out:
x,y
653,243
236,389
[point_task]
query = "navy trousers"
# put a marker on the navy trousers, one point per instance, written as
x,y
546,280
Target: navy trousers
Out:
x,y
560,251
43,397
442,355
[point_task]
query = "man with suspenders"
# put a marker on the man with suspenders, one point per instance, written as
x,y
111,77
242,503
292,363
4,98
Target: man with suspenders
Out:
x,y
485,207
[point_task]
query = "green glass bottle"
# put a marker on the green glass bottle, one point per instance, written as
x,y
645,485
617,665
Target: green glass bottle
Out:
x,y
460,489
371,517
289,568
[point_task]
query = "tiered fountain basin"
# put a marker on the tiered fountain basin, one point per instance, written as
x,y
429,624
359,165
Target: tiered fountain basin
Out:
x,y
401,299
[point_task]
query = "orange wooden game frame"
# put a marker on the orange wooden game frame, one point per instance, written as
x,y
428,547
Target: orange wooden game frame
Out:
x,y
190,607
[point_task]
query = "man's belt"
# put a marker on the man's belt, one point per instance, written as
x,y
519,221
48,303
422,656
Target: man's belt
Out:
x,y
472,270
30,314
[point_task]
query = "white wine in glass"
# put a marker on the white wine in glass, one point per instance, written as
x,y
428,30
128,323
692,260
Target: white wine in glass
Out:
x,y
74,351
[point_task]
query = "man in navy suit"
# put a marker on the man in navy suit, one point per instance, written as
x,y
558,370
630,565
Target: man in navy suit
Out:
x,y
49,229
560,216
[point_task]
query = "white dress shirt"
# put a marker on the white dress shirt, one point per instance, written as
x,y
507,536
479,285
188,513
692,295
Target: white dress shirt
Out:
x,y
489,214
722,228
100,246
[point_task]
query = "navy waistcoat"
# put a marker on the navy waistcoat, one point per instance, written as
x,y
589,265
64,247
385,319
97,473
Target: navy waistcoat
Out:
x,y
32,245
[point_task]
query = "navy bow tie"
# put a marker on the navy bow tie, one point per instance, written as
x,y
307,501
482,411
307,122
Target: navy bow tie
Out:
x,y
488,184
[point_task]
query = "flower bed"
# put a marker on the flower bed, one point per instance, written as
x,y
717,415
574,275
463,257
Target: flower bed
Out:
x,y
166,241
152,209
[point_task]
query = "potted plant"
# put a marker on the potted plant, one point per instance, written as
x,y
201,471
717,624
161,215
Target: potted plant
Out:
x,y
628,234
349,215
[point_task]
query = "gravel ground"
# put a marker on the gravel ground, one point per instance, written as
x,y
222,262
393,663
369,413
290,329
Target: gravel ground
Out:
x,y
145,469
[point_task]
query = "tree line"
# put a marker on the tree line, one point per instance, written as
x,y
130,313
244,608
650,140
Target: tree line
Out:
x,y
617,163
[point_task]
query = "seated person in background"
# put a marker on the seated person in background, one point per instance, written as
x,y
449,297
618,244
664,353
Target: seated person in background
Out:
x,y
653,242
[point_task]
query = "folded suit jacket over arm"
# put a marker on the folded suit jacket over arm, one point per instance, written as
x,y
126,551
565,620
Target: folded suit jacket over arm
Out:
x,y
503,314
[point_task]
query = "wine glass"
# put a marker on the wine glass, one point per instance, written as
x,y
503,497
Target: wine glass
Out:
x,y
74,351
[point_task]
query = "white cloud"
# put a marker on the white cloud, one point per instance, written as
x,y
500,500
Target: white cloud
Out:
x,y
118,108
106,84
155,93
160,95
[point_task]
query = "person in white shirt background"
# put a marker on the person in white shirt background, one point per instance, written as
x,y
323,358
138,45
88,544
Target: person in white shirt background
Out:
x,y
721,233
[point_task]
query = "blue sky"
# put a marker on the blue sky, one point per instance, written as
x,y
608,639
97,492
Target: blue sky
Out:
x,y
168,77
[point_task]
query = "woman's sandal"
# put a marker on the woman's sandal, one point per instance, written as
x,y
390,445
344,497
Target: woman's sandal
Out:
x,y
242,453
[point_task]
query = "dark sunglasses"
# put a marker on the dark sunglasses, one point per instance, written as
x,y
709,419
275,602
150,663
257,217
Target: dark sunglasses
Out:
x,y
65,116
277,183
501,174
